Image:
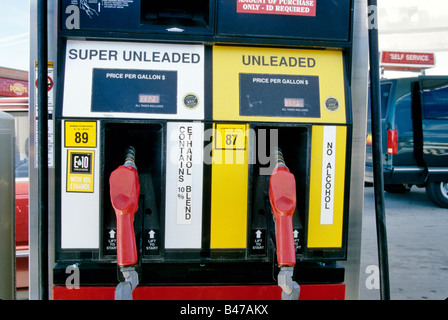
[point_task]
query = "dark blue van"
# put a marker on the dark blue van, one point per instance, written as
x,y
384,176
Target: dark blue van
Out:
x,y
414,115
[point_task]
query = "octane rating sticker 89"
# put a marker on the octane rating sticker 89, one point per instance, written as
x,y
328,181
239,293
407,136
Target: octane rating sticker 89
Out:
x,y
80,134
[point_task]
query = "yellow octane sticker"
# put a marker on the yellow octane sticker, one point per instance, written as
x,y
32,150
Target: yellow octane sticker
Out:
x,y
80,134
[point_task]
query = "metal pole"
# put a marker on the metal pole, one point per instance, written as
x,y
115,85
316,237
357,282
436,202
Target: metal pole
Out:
x,y
42,47
377,153
7,212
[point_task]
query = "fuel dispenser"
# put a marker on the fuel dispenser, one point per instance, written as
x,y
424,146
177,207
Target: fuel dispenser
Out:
x,y
238,116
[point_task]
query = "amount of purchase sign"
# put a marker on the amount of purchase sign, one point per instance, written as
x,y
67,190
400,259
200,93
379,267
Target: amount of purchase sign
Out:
x,y
281,7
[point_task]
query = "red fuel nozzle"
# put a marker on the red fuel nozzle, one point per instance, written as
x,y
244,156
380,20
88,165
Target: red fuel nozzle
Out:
x,y
124,194
282,195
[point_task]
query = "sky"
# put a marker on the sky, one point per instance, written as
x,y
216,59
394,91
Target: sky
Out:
x,y
14,34
414,26
404,25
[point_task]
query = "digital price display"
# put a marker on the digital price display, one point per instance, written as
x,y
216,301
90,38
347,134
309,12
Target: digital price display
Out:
x,y
149,98
294,102
131,90
279,95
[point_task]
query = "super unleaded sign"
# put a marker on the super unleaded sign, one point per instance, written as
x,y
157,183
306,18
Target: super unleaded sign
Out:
x,y
280,7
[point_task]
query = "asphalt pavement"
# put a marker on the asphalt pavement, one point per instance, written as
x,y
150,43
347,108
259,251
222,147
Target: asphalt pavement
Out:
x,y
417,240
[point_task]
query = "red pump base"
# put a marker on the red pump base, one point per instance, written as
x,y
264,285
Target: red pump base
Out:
x,y
255,292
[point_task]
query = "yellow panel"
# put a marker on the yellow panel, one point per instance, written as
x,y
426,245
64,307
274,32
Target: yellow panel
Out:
x,y
327,186
80,134
229,62
229,187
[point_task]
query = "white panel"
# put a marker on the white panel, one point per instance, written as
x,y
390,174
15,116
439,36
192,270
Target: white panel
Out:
x,y
184,173
83,56
80,211
328,172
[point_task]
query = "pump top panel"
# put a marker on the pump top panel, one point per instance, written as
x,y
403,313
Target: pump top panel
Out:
x,y
149,16
299,19
234,21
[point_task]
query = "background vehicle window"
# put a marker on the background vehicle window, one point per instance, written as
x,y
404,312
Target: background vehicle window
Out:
x,y
403,112
21,141
384,98
435,99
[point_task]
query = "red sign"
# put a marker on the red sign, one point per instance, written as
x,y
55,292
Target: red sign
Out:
x,y
49,83
414,59
13,88
281,7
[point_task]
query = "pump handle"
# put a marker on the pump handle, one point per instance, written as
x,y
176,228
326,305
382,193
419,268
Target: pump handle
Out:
x,y
282,196
124,194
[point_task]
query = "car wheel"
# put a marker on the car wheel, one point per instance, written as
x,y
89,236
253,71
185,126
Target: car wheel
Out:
x,y
397,188
438,193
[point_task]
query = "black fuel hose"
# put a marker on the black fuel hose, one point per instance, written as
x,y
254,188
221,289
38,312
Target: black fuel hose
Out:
x,y
42,101
377,153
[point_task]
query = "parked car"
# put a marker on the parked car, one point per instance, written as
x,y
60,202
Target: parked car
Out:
x,y
18,107
414,114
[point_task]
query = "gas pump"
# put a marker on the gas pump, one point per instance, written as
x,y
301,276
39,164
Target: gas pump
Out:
x,y
242,119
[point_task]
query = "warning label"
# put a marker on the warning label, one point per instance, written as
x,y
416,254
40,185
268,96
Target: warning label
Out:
x,y
328,175
116,4
280,7
184,178
185,174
